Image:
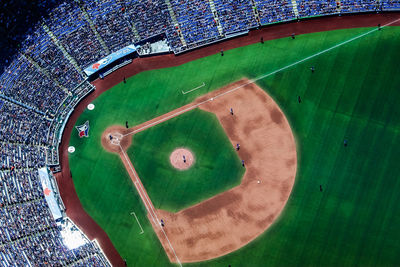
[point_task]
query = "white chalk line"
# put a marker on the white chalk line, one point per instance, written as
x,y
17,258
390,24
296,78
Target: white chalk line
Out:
x,y
141,228
166,118
258,78
116,138
230,91
194,89
304,59
136,182
152,213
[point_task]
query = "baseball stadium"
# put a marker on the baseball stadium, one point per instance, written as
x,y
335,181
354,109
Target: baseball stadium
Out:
x,y
200,133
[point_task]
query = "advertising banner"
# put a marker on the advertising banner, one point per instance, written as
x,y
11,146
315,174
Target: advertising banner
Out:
x,y
102,63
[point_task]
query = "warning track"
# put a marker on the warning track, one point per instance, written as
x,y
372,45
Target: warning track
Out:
x,y
73,206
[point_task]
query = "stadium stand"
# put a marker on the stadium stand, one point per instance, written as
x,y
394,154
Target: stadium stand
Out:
x,y
41,49
316,8
274,11
391,5
75,35
19,187
235,15
112,22
150,18
17,20
24,126
52,251
17,156
196,20
42,79
26,84
351,6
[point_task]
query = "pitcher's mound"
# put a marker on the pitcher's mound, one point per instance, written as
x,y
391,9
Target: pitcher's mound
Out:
x,y
181,158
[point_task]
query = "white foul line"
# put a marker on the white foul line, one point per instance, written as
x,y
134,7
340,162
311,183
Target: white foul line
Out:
x,y
134,214
258,78
194,89
154,217
304,59
166,118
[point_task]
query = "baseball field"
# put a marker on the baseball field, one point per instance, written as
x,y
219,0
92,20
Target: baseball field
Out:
x,y
343,207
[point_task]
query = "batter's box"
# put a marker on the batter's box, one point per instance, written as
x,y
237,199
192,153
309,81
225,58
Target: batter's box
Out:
x,y
116,138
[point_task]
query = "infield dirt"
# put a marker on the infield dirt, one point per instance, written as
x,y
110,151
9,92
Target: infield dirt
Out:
x,y
230,220
74,208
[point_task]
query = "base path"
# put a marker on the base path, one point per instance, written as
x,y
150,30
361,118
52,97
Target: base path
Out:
x,y
64,179
151,211
230,220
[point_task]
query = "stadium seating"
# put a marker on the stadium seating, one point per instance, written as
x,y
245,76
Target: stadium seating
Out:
x,y
112,23
391,5
235,15
27,84
51,252
18,156
196,20
24,126
274,11
43,51
19,187
316,8
353,6
149,17
38,87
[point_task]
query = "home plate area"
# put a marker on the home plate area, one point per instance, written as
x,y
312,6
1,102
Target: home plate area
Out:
x,y
115,138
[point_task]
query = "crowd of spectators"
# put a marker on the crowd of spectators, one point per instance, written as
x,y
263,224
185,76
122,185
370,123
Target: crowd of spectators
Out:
x,y
25,83
28,233
24,219
120,23
272,11
46,248
112,22
352,6
68,24
91,260
196,21
150,17
18,156
235,15
391,4
174,36
45,53
17,19
19,187
38,86
20,125
316,7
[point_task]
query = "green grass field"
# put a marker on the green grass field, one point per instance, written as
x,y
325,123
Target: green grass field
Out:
x,y
352,95
217,167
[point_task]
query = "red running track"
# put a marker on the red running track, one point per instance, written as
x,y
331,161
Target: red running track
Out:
x,y
74,208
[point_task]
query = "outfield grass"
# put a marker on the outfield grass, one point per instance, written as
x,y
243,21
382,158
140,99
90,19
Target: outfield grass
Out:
x,y
217,166
352,95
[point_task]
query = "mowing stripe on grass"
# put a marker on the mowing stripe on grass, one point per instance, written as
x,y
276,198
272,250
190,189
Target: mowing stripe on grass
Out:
x,y
145,199
258,78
